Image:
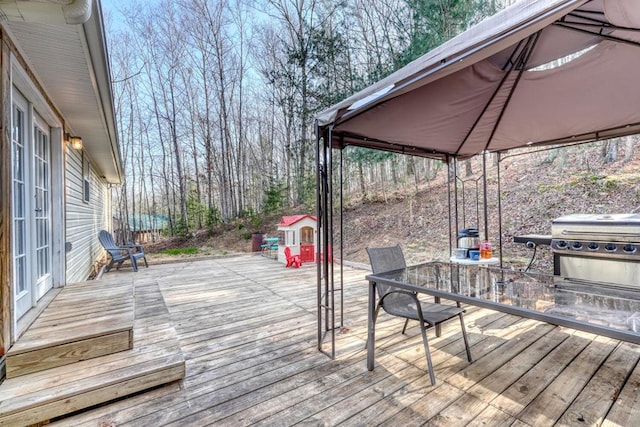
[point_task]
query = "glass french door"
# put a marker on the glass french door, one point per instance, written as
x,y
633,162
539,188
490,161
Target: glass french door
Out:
x,y
42,209
31,199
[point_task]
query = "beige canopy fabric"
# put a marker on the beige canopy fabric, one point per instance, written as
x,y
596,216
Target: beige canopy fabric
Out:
x,y
492,88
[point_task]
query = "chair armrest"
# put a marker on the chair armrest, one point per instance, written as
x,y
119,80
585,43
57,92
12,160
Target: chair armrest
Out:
x,y
137,247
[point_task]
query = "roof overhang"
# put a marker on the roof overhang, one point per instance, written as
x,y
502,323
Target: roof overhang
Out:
x,y
63,43
484,90
287,221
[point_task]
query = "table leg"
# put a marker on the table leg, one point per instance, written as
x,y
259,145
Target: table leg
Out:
x,y
371,326
439,325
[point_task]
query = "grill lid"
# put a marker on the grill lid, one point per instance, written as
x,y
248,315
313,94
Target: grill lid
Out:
x,y
597,227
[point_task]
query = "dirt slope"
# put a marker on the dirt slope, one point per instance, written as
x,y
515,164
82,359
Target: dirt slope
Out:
x,y
534,190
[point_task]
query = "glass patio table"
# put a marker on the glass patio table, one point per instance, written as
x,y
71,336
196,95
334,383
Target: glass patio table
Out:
x,y
600,308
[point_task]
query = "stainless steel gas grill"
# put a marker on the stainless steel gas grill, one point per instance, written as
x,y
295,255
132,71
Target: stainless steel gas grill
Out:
x,y
598,248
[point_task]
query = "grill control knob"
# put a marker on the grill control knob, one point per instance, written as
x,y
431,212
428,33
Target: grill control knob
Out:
x,y
593,246
576,245
629,248
562,244
610,247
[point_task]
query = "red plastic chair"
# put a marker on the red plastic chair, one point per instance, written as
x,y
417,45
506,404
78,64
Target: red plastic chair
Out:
x,y
292,260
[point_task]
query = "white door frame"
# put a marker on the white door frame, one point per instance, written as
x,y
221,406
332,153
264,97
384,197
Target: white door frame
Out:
x,y
41,237
21,205
40,116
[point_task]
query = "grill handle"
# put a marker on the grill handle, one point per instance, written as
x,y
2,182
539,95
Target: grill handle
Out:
x,y
598,233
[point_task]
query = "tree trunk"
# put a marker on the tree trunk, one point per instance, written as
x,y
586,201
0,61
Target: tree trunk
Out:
x,y
630,141
610,150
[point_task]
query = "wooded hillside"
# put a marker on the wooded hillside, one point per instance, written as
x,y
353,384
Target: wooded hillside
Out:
x,y
215,104
215,101
535,188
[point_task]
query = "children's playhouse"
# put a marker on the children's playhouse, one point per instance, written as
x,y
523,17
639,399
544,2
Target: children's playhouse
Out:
x,y
299,233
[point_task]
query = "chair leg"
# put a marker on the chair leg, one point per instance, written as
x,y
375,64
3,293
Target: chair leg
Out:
x,y
466,340
406,322
425,341
134,264
146,264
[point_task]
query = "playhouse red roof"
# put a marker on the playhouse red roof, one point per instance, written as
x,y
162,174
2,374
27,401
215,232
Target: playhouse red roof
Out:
x,y
292,219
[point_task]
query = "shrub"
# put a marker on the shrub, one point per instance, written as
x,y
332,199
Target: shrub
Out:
x,y
213,219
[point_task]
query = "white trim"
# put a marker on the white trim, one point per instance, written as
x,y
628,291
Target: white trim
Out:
x,y
45,282
20,302
58,211
24,89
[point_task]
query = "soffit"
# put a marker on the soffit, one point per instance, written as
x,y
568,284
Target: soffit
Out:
x,y
70,65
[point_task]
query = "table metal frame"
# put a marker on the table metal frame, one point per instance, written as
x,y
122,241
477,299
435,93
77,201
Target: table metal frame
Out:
x,y
386,278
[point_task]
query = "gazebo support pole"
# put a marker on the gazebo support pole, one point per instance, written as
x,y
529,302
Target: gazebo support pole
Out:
x,y
455,194
320,223
499,208
449,204
341,238
484,195
328,266
325,277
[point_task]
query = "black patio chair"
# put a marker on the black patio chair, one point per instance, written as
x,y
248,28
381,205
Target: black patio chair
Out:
x,y
120,254
405,304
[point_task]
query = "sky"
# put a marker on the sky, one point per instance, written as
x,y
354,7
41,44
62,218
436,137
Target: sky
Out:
x,y
111,8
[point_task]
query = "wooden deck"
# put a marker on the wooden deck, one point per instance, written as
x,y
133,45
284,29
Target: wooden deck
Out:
x,y
79,324
97,341
247,327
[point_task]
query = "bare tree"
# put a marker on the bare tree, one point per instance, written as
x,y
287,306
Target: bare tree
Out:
x,y
610,150
213,120
630,142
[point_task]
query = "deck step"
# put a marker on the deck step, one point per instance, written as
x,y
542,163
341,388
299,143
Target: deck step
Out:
x,y
84,321
153,357
45,395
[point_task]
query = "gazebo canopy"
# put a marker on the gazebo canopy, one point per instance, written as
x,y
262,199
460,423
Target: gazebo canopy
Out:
x,y
498,85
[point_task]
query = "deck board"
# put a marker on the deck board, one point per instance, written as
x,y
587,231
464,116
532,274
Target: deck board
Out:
x,y
548,406
81,322
151,357
247,327
79,312
596,399
626,409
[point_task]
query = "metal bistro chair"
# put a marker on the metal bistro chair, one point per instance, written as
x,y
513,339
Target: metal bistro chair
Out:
x,y
120,254
403,303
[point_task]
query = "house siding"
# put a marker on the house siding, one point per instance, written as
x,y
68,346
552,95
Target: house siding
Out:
x,y
84,220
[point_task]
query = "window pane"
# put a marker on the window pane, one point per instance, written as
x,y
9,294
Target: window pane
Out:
x,y
18,161
21,275
18,199
19,237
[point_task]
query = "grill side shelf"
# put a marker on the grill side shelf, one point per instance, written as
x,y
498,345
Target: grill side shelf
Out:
x,y
536,239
